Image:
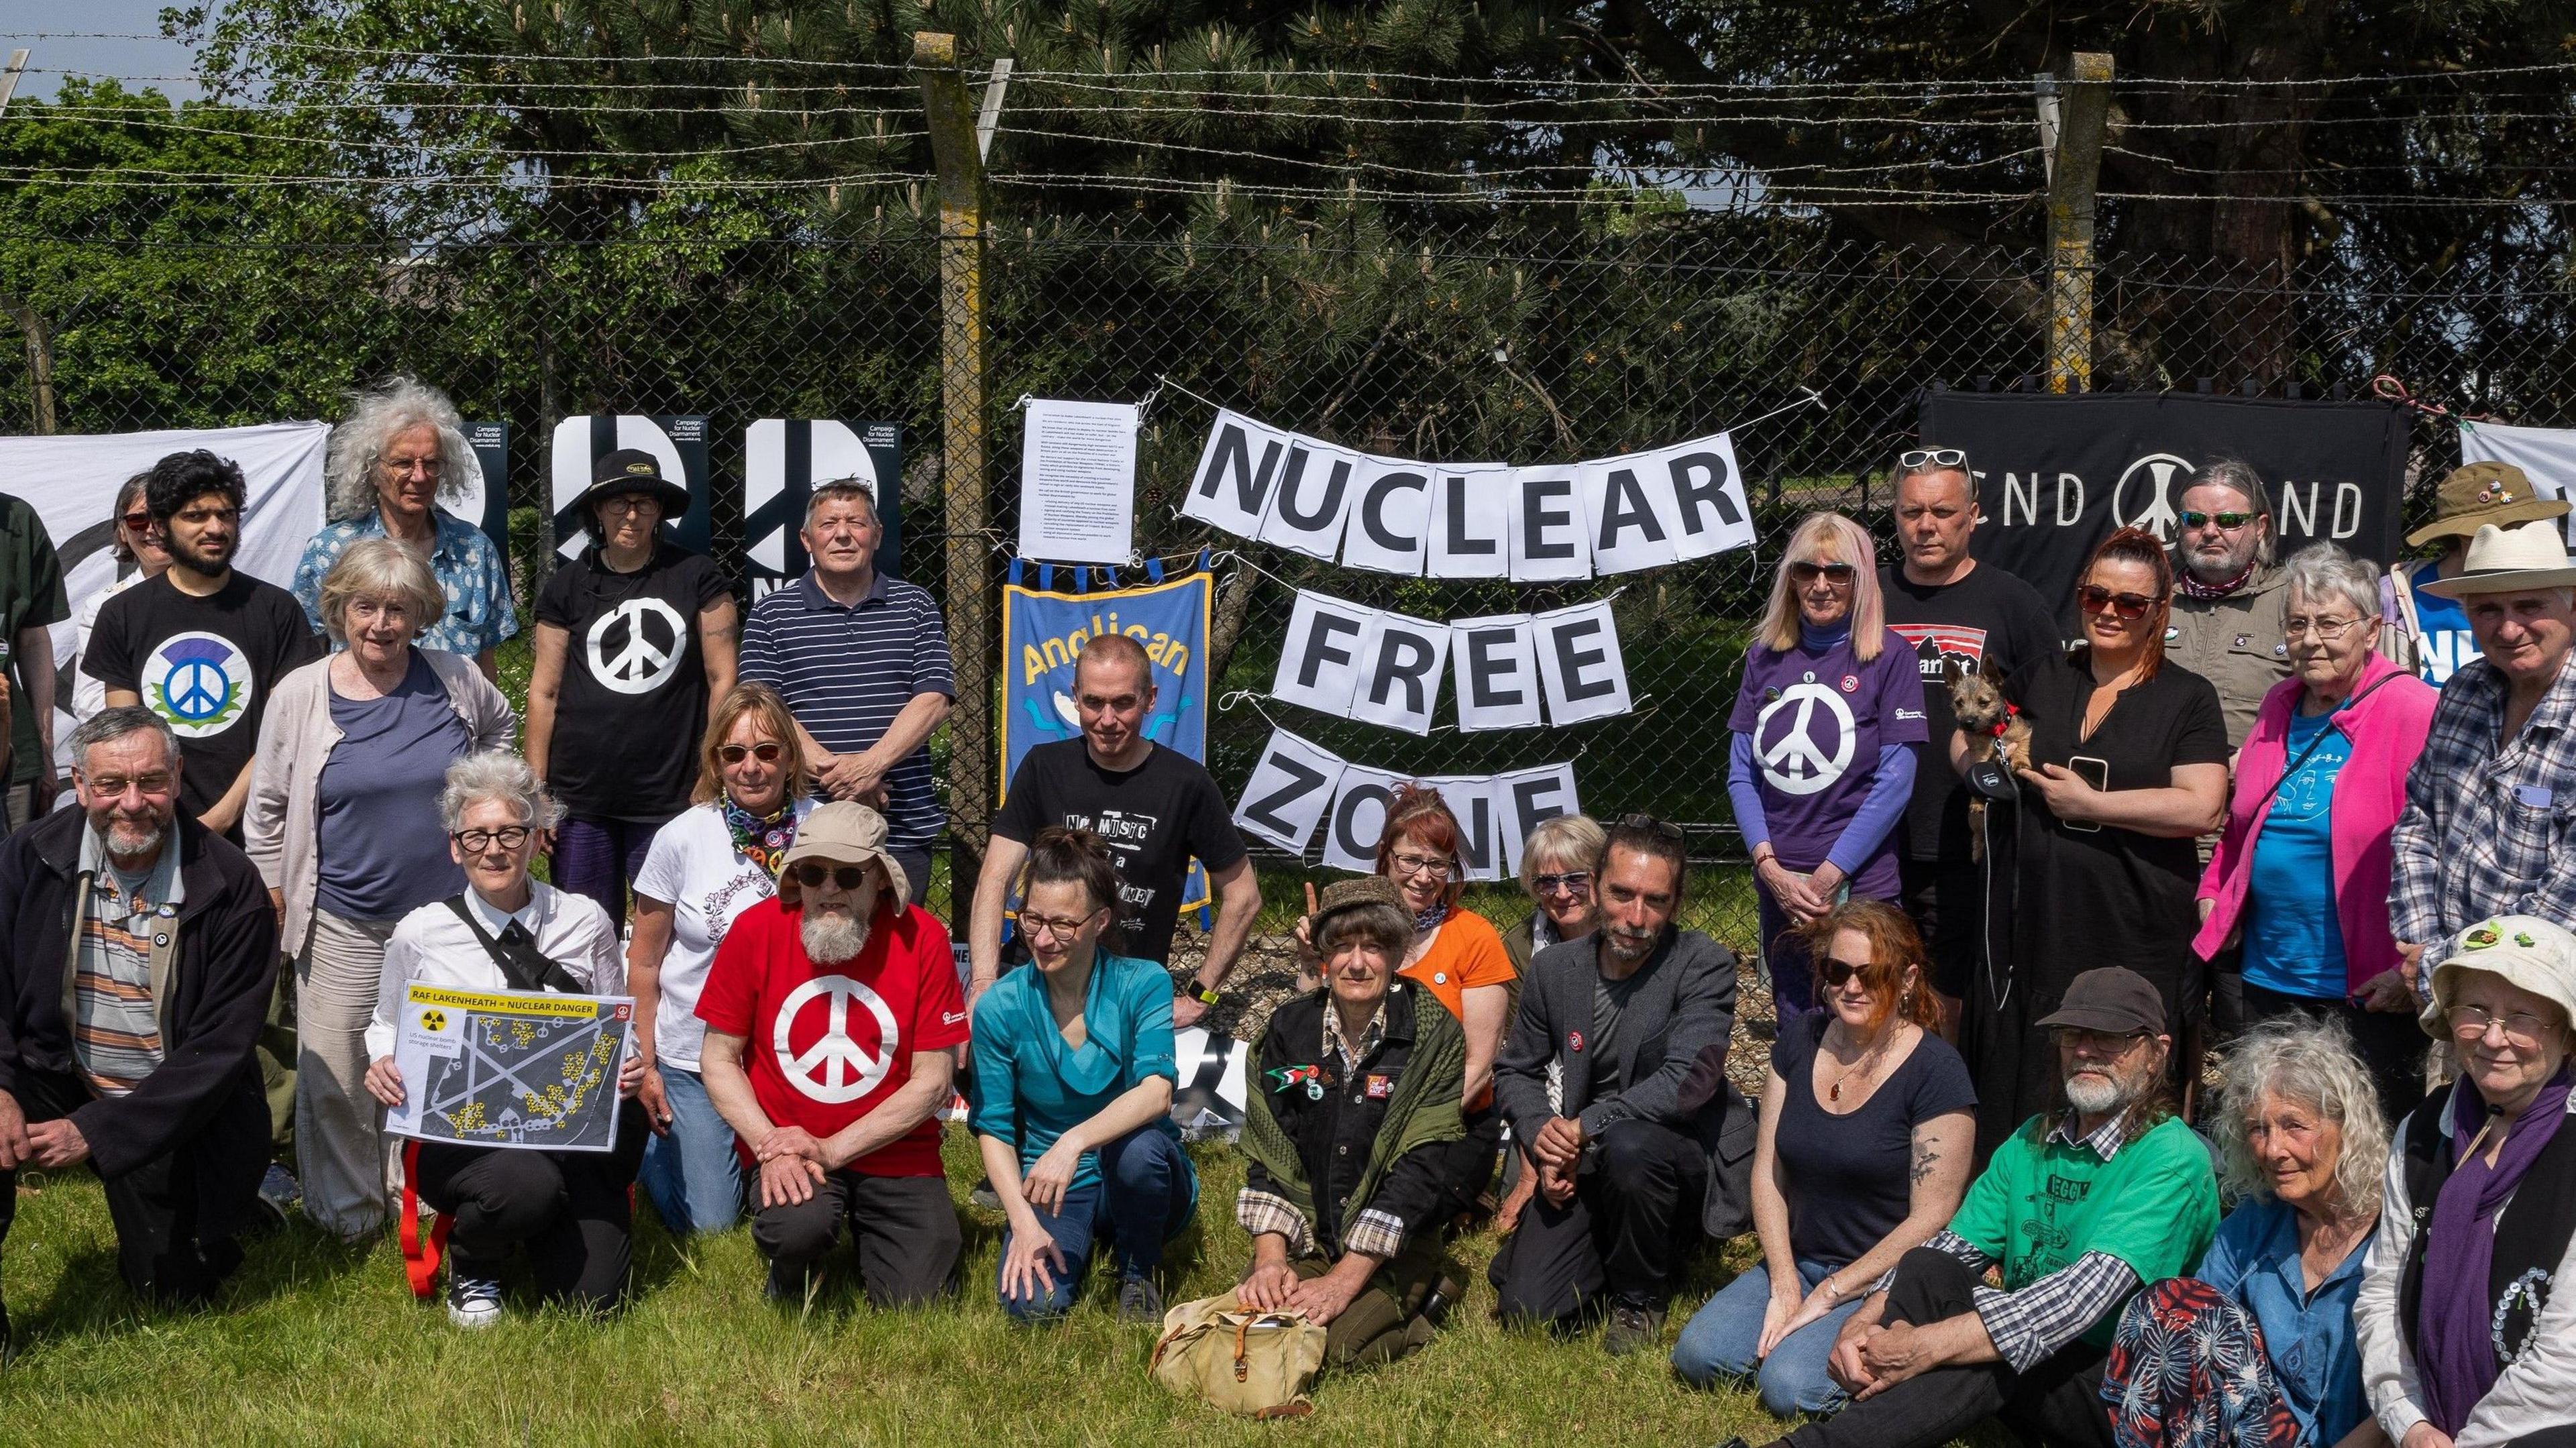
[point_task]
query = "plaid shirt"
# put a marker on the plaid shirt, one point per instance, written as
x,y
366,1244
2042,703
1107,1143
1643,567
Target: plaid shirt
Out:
x,y
2029,1325
2484,832
1379,1234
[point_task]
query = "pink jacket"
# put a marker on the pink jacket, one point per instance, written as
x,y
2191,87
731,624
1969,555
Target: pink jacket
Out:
x,y
2387,730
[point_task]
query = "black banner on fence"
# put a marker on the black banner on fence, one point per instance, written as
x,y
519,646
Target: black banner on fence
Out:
x,y
2056,474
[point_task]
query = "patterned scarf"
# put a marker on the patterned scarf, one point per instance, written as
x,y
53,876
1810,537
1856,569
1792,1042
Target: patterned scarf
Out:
x,y
1431,919
2190,587
762,839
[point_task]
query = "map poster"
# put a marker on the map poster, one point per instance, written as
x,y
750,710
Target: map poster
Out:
x,y
510,1068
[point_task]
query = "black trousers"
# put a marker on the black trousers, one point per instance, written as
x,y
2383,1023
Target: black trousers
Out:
x,y
2057,1404
905,1229
177,1214
1622,1235
1946,899
572,1210
2391,1043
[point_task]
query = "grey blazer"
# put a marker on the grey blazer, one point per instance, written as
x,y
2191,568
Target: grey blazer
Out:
x,y
1685,1002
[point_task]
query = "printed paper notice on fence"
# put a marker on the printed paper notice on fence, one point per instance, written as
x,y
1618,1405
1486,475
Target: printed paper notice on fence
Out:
x,y
510,1068
1078,482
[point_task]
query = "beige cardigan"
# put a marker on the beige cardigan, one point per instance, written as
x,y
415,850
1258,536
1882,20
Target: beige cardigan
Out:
x,y
282,824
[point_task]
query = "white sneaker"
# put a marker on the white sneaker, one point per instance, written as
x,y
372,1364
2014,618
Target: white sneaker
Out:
x,y
473,1302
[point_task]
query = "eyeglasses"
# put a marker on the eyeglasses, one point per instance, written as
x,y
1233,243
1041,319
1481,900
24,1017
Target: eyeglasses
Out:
x,y
2192,518
114,786
1930,457
1572,882
199,517
1839,575
2099,1043
1033,926
1422,864
508,837
426,467
628,504
136,522
2521,1028
812,873
767,752
2097,599
1838,972
2325,630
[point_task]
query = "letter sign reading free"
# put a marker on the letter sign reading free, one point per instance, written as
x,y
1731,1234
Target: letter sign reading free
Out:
x,y
1496,663
1578,656
1402,660
1319,664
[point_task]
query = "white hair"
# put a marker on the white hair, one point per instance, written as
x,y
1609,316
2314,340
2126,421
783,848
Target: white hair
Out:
x,y
2311,1062
495,775
376,416
2322,572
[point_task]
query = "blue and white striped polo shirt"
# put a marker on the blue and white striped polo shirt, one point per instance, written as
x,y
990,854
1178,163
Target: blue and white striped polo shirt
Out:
x,y
846,672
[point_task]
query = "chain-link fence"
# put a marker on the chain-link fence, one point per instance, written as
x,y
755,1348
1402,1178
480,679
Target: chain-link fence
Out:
x,y
1509,344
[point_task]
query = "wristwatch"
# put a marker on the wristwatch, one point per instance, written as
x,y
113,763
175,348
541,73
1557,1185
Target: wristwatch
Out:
x,y
1205,995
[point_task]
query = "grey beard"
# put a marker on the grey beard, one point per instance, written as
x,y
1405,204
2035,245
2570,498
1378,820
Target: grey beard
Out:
x,y
833,939
126,841
2092,1100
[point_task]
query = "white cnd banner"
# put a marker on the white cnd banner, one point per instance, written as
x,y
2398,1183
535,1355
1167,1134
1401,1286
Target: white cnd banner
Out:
x,y
1298,786
1355,662
1550,523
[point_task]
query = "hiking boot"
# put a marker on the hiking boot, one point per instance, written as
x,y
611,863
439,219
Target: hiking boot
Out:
x,y
1634,1327
1139,1300
473,1302
279,1195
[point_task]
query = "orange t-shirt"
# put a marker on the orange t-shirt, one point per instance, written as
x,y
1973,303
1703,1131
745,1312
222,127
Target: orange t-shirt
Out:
x,y
1468,951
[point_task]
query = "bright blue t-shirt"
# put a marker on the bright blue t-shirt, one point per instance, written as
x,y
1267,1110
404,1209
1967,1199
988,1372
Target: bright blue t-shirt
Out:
x,y
2309,1338
2293,943
1030,1087
2447,641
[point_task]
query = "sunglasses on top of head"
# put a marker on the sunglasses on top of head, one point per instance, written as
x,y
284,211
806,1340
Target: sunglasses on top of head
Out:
x,y
1918,459
2130,606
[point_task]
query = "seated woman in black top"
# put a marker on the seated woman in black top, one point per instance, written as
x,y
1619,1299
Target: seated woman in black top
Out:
x,y
1358,1151
2096,866
1863,1155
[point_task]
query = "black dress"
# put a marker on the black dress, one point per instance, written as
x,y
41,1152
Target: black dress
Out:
x,y
2062,899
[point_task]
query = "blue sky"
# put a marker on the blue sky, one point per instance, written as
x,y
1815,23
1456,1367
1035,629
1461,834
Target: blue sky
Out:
x,y
21,20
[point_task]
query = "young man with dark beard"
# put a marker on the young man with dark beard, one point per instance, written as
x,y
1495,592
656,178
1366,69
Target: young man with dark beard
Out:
x,y
831,1011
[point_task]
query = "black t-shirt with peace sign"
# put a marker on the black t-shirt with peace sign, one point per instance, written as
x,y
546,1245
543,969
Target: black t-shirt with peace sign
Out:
x,y
633,703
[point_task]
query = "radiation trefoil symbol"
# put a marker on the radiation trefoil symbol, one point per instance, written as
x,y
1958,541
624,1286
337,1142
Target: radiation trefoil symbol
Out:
x,y
198,683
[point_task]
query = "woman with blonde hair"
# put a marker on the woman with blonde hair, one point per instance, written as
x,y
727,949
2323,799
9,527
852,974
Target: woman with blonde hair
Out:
x,y
1820,771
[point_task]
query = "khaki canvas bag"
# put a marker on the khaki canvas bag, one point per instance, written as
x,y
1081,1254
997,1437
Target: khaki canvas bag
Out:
x,y
1255,1363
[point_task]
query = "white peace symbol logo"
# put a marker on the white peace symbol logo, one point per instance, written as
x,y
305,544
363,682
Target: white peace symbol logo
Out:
x,y
645,660
834,1069
2155,473
1794,763
199,683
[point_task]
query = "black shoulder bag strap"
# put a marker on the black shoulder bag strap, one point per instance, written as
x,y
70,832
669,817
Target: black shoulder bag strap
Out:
x,y
2319,742
528,969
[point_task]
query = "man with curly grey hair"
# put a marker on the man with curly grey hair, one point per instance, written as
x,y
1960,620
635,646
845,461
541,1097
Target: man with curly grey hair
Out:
x,y
394,463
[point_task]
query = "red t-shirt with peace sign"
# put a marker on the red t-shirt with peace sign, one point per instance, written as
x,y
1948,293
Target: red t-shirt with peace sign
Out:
x,y
826,1047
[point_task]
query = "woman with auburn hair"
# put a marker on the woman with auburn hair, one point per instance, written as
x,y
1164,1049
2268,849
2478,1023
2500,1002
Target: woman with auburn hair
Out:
x,y
1866,1127
1820,771
713,861
2092,861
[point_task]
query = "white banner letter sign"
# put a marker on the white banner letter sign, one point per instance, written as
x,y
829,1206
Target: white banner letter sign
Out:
x,y
1319,663
1390,518
1480,835
1527,797
1400,663
1497,669
1358,818
1549,541
1633,525
1578,656
1288,791
1469,519
1312,499
1236,469
1705,485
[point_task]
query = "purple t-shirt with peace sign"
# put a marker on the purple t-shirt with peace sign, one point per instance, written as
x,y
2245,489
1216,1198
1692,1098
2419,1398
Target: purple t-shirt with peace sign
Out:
x,y
1817,718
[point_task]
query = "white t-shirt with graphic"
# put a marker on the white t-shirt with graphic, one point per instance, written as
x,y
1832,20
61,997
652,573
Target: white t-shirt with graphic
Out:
x,y
694,867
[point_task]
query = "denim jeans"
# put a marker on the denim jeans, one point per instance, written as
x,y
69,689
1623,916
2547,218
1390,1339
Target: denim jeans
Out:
x,y
1719,1340
1146,1195
692,1174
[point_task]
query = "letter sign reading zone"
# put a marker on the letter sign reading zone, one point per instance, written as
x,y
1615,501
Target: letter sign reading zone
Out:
x,y
1358,817
1288,792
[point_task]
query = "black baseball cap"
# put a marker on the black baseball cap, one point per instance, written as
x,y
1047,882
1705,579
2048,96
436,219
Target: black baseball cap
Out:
x,y
633,470
2110,998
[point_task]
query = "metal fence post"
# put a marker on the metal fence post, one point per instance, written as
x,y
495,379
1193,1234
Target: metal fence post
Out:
x,y
2084,104
963,414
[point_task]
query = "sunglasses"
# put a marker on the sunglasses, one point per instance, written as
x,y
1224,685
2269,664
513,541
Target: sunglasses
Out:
x,y
2193,518
2097,599
136,522
812,873
1931,457
766,753
1839,575
1572,882
1838,972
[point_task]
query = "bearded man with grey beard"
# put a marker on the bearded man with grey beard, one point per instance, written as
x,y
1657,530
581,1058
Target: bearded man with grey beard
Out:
x,y
831,1012
2079,1208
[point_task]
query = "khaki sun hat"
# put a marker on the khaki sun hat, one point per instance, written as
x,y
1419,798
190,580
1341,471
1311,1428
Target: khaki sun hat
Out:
x,y
2527,951
2471,497
2513,559
842,833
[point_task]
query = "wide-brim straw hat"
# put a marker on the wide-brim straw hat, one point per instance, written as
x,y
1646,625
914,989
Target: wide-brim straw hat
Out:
x,y
2514,559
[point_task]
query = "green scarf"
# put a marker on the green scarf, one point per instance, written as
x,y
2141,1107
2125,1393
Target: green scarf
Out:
x,y
1424,1109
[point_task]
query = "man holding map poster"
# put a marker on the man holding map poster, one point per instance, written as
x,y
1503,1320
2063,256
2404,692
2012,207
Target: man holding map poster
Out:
x,y
508,934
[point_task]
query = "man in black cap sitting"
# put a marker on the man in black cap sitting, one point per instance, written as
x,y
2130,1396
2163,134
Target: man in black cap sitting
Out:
x,y
2080,1209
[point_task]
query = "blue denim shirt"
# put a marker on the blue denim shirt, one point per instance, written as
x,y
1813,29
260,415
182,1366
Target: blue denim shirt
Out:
x,y
2255,1259
480,611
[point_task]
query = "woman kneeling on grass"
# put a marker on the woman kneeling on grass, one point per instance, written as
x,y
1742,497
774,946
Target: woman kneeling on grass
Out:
x,y
1073,1094
1358,1152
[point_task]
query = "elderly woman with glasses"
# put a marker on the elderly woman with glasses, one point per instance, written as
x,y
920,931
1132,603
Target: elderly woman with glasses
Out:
x,y
507,932
2091,851
1556,874
342,822
717,859
1820,771
2301,873
2256,1344
2467,1309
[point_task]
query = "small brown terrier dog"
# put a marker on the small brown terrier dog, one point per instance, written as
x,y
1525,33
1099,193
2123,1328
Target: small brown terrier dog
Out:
x,y
1993,727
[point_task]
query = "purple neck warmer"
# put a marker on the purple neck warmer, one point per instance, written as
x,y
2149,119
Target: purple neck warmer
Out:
x,y
2455,1348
